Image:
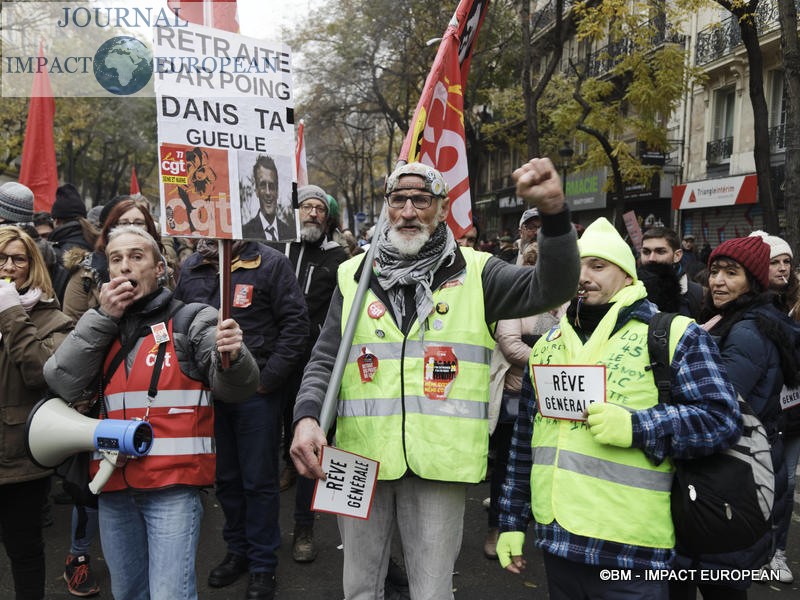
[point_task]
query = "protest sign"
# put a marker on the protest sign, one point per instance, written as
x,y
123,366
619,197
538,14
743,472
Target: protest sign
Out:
x,y
350,484
566,391
225,134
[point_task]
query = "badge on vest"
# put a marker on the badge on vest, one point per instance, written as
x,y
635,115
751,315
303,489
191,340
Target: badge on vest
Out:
x,y
566,391
242,295
376,310
160,332
367,365
439,372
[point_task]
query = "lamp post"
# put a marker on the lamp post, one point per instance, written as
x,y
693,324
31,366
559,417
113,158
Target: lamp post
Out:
x,y
565,152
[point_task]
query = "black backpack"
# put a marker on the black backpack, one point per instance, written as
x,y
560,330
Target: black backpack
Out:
x,y
723,502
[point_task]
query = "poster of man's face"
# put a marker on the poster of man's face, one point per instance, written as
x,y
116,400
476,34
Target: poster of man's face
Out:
x,y
265,189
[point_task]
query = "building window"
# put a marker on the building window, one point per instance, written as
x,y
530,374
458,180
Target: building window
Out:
x,y
777,113
720,148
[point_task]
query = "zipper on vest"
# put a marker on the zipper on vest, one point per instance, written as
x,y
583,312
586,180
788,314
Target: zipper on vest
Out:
x,y
403,395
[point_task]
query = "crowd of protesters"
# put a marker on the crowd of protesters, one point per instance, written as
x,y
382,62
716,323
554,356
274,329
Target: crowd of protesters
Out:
x,y
84,295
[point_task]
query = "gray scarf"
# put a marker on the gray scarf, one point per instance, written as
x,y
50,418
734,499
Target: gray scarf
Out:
x,y
394,270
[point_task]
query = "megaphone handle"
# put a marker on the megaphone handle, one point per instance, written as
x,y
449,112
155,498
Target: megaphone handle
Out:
x,y
103,475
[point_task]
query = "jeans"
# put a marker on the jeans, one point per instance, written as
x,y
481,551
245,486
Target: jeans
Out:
x,y
248,446
150,542
21,523
791,454
430,518
568,580
83,544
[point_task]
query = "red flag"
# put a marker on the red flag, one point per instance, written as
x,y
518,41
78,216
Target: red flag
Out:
x,y
300,156
38,170
134,182
211,13
436,133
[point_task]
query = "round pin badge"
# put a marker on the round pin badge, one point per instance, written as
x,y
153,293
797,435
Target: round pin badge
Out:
x,y
442,308
376,310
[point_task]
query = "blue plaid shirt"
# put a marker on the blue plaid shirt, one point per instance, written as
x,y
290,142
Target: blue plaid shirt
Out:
x,y
704,419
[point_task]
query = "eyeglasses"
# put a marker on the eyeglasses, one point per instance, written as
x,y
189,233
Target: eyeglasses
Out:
x,y
135,222
530,225
19,260
307,208
420,201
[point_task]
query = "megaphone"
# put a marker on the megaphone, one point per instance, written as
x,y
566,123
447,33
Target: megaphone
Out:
x,y
56,431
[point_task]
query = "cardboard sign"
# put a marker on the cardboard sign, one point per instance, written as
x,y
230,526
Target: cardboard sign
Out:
x,y
790,397
566,391
350,484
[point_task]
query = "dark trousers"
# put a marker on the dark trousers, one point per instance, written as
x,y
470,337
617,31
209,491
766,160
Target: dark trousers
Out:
x,y
304,490
569,580
248,442
500,442
21,522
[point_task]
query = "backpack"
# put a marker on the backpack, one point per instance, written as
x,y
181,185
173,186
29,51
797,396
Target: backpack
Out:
x,y
723,502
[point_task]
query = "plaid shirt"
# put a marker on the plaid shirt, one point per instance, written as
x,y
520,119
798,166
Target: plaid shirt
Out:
x,y
704,419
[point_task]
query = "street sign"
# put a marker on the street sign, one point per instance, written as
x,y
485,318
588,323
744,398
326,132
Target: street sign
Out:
x,y
361,217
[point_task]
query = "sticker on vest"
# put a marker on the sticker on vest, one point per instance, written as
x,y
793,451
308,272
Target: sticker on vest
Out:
x,y
160,332
440,371
566,391
790,397
554,333
453,282
376,310
367,365
242,295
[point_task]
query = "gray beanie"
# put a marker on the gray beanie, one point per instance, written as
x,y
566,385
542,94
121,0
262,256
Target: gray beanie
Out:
x,y
16,202
312,191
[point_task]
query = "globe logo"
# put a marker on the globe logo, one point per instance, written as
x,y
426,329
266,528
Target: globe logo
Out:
x,y
123,65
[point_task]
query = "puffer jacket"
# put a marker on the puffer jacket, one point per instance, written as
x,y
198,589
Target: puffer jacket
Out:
x,y
73,368
26,341
752,353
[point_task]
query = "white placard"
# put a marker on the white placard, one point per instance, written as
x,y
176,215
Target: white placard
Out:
x,y
565,391
790,397
350,484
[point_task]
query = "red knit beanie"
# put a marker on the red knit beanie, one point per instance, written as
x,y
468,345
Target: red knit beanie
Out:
x,y
750,252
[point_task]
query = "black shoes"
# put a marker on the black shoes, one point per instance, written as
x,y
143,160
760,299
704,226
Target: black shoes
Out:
x,y
228,571
261,586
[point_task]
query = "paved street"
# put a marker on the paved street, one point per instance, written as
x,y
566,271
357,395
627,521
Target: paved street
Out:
x,y
476,577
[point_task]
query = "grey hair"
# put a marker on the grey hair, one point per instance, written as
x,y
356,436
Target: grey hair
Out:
x,y
142,233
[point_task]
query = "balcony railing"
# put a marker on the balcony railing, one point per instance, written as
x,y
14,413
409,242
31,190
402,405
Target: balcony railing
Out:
x,y
719,39
719,152
544,18
777,138
605,59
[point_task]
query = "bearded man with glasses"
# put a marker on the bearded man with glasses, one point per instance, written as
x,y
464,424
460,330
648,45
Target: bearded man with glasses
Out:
x,y
414,394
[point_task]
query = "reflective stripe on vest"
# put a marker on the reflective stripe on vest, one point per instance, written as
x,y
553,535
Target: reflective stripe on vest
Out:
x,y
182,418
595,490
393,418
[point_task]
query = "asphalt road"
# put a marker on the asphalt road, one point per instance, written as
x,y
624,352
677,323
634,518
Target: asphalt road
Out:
x,y
476,578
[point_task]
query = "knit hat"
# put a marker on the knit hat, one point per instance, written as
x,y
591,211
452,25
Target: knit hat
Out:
x,y
531,213
109,206
307,192
68,204
16,202
777,246
750,252
434,180
603,241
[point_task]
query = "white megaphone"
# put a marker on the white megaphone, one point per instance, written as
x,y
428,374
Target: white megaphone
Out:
x,y
56,431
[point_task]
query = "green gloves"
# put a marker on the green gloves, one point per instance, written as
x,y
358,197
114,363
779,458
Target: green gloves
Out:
x,y
610,424
509,544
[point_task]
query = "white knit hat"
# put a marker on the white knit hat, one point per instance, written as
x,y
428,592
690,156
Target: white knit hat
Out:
x,y
777,246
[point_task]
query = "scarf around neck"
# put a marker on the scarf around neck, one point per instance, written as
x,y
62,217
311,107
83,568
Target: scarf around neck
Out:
x,y
394,270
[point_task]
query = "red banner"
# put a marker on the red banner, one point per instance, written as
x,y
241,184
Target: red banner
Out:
x,y
211,13
300,156
436,133
134,182
38,169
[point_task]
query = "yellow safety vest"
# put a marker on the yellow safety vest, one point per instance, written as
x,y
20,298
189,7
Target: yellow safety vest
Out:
x,y
419,401
592,489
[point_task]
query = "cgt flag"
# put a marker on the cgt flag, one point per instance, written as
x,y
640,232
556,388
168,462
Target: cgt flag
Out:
x,y
211,13
300,156
436,135
38,169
